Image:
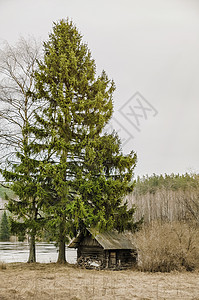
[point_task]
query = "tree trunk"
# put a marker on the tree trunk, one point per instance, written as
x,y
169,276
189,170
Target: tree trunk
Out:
x,y
62,246
62,252
32,252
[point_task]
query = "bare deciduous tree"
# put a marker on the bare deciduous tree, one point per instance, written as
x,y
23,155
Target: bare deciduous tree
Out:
x,y
17,108
17,65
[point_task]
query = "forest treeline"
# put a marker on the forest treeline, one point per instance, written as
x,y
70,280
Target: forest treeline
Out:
x,y
166,197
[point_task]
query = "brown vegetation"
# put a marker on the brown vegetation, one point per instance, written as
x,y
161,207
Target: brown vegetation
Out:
x,y
55,282
164,247
2,265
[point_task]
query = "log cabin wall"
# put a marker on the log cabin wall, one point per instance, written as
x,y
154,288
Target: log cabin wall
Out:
x,y
126,258
120,259
89,247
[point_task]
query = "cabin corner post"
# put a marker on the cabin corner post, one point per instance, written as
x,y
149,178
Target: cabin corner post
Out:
x,y
106,259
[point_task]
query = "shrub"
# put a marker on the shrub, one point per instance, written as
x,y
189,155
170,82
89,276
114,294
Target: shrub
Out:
x,y
2,266
169,246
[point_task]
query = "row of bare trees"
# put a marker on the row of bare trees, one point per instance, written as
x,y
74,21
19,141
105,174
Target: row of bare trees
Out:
x,y
167,202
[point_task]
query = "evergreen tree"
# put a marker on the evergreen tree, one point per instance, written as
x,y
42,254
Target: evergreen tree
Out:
x,y
4,228
85,173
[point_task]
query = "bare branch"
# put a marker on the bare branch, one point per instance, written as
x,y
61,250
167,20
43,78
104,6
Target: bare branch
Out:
x,y
17,110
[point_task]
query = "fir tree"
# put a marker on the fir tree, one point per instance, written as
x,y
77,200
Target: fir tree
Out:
x,y
4,228
86,175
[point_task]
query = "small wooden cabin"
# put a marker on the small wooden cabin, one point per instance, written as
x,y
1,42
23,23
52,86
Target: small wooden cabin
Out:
x,y
111,250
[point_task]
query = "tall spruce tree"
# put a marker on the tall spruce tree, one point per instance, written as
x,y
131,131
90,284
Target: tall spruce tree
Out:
x,y
85,172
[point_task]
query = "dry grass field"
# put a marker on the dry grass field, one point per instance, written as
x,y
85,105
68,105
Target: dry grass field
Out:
x,y
51,281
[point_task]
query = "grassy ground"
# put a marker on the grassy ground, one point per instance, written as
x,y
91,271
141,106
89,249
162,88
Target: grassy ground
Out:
x,y
51,281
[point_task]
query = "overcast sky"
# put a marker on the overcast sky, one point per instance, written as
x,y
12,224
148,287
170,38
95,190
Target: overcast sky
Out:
x,y
151,50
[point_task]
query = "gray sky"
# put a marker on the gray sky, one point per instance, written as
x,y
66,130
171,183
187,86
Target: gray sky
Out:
x,y
146,46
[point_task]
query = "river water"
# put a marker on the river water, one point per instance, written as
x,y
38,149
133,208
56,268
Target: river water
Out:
x,y
45,252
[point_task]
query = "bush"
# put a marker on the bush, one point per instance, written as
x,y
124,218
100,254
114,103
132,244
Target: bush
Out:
x,y
2,266
169,246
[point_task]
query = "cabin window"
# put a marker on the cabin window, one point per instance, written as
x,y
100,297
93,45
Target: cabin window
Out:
x,y
112,258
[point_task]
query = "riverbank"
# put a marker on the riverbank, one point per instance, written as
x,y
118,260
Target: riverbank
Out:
x,y
53,282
